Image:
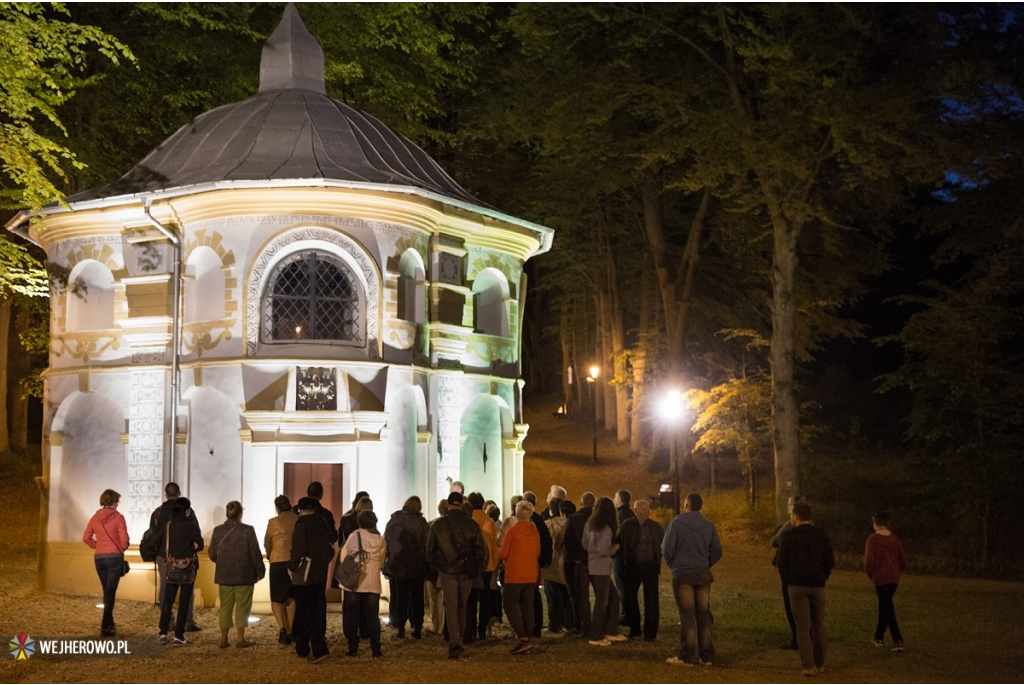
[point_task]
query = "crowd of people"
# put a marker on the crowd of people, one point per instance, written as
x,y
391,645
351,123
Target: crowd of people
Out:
x,y
469,568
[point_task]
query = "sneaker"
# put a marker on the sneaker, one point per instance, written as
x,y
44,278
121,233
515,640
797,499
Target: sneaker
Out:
x,y
522,647
898,647
676,661
192,628
809,672
705,663
877,643
454,652
601,643
312,659
162,638
182,642
616,638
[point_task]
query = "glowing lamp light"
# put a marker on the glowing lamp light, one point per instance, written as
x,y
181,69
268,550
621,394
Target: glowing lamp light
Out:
x,y
298,331
672,406
99,606
594,371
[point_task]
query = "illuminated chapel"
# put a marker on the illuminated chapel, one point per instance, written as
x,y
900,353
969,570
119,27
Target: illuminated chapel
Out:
x,y
283,291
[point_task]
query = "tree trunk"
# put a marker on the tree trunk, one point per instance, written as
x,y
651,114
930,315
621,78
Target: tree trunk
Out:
x,y
597,395
567,379
621,389
646,349
5,334
785,412
607,368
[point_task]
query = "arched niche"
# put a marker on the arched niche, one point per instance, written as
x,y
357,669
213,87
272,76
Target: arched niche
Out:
x,y
204,286
91,459
490,308
412,287
484,423
90,297
214,455
404,474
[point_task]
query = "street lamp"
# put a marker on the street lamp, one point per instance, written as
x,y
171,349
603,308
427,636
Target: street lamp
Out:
x,y
672,410
595,371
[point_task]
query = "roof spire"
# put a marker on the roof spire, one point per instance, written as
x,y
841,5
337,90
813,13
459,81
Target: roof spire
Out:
x,y
292,58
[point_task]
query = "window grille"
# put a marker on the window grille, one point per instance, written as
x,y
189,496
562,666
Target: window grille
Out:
x,y
313,296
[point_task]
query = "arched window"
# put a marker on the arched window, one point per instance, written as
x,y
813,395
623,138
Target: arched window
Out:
x,y
313,296
490,290
90,297
204,289
411,288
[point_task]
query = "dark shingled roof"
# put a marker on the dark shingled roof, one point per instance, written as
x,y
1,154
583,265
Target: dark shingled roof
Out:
x,y
289,130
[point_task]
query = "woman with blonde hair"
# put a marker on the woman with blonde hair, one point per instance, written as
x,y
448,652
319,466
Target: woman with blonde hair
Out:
x,y
236,552
108,535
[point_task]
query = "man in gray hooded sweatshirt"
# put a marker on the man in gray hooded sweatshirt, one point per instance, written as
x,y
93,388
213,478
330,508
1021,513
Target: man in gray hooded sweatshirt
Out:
x,y
691,547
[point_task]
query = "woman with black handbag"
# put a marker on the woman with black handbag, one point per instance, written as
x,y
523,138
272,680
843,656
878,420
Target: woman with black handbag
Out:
x,y
108,535
312,552
181,540
362,599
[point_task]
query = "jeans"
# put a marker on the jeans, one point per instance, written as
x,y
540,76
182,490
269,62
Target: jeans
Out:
x,y
579,594
434,598
559,606
456,591
406,603
184,602
109,571
235,600
518,599
648,578
789,612
478,608
693,597
310,626
809,612
161,567
361,609
605,619
887,613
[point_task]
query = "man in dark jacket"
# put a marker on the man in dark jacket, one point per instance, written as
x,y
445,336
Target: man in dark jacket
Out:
x,y
547,550
180,539
641,565
313,538
455,540
805,562
405,565
160,519
315,491
577,575
621,501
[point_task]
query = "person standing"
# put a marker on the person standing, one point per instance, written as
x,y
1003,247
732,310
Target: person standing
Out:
x,y
434,601
598,539
520,550
555,492
160,518
559,605
776,541
478,607
362,605
278,543
577,574
884,561
107,534
236,552
546,551
641,565
806,561
312,540
691,547
456,548
180,540
621,501
405,565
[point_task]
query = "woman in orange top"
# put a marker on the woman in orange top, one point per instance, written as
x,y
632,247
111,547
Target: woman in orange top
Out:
x,y
520,550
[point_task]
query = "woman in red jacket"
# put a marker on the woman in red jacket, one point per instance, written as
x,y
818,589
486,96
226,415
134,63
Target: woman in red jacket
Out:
x,y
520,550
108,535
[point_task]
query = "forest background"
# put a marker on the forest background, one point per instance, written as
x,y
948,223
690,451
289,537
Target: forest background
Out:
x,y
804,218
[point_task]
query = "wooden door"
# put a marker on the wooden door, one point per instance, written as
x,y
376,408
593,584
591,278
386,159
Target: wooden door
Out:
x,y
298,476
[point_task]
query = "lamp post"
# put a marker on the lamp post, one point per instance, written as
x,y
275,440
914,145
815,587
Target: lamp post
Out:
x,y
672,409
594,373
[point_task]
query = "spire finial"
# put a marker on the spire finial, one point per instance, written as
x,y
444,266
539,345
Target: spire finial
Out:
x,y
291,56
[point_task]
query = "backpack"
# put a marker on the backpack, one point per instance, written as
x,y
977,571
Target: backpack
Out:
x,y
150,544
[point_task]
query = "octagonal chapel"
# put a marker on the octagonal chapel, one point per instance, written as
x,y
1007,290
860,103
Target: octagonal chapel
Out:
x,y
284,291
